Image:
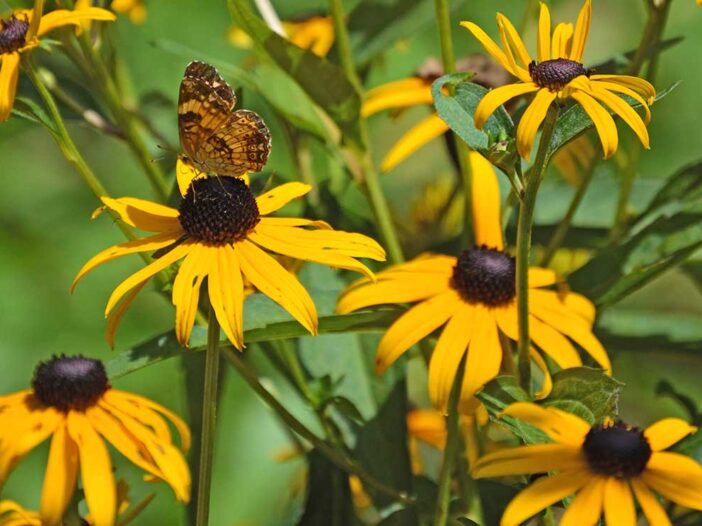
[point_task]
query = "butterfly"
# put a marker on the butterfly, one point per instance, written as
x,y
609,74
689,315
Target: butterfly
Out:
x,y
216,139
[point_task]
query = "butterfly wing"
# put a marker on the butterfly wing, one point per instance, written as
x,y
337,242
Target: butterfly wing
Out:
x,y
241,145
205,104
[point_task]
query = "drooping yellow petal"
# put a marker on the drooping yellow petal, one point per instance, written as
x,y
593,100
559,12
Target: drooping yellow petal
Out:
x,y
562,40
669,486
413,325
403,93
293,221
666,432
448,353
63,17
60,477
427,425
186,173
626,112
487,220
554,344
541,277
543,43
612,86
582,30
580,305
9,73
604,124
186,288
269,276
532,119
654,512
226,291
490,46
144,215
419,135
541,494
484,354
547,385
280,196
619,503
675,465
512,41
115,317
644,87
524,460
494,98
560,426
586,507
95,470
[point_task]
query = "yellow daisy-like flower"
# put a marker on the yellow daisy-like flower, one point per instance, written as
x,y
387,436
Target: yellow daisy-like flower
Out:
x,y
71,400
315,33
605,466
473,297
558,75
12,514
20,32
574,159
221,233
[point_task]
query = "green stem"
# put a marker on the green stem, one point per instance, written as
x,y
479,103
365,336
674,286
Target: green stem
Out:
x,y
209,417
524,227
298,427
443,19
341,39
528,13
628,174
657,17
562,229
453,439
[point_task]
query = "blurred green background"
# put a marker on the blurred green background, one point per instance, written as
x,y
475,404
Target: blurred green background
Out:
x,y
47,234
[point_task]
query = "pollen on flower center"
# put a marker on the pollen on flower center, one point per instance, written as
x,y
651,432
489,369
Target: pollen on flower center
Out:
x,y
485,275
70,382
617,450
218,210
12,34
557,73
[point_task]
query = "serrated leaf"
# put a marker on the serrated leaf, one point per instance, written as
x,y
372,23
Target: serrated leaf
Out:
x,y
586,392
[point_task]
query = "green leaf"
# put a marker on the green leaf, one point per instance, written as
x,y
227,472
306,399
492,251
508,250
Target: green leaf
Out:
x,y
586,392
496,140
494,497
27,109
325,83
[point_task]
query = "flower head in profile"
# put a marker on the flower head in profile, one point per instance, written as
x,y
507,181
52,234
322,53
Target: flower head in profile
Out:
x,y
472,296
605,466
559,74
72,401
21,31
221,233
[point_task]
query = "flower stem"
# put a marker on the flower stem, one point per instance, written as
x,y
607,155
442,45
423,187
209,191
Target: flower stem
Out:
x,y
453,440
209,417
657,18
298,427
524,227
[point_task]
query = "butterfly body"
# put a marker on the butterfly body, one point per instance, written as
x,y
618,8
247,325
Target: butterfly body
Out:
x,y
216,139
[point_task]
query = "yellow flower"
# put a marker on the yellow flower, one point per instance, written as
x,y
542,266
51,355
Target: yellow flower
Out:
x,y
558,75
20,32
12,514
72,401
601,464
315,33
134,9
575,159
473,296
220,233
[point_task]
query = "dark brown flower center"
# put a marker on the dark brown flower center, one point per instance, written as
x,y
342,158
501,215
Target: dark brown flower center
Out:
x,y
557,73
70,383
485,275
218,210
12,34
617,450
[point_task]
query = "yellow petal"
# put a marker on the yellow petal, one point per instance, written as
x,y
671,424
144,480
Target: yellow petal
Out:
x,y
487,220
612,86
524,460
641,86
544,34
582,29
484,354
666,432
541,277
654,512
626,112
494,98
146,244
186,288
95,470
448,353
541,494
586,507
619,503
532,119
554,344
428,426
420,134
60,478
186,173
490,46
513,41
604,124
293,221
407,93
280,196
145,215
561,427
115,317
268,276
413,325
548,381
177,422
226,291
63,17
9,73
562,40
673,488
580,305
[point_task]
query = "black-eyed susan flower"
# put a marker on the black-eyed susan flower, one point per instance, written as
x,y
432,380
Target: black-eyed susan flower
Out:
x,y
557,75
221,233
313,32
20,33
416,91
12,514
473,297
605,466
72,401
